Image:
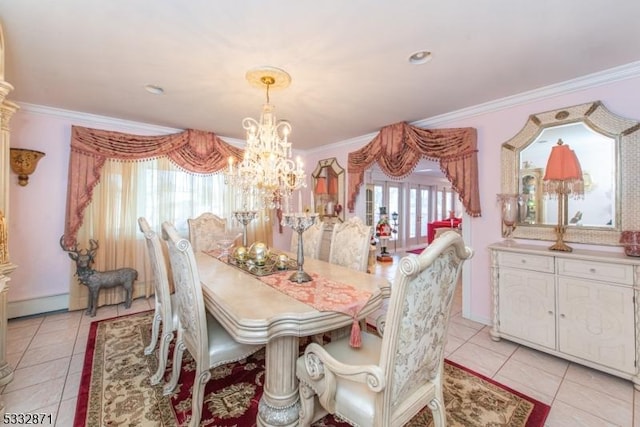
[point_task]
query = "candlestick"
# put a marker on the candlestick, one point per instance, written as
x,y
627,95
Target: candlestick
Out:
x,y
244,218
299,223
300,201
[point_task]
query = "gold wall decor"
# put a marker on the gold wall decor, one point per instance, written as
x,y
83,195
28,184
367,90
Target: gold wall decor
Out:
x,y
24,162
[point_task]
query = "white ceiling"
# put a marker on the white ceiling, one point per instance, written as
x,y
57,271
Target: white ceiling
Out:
x,y
348,59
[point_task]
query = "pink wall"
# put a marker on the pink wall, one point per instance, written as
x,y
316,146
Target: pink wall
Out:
x,y
494,128
37,210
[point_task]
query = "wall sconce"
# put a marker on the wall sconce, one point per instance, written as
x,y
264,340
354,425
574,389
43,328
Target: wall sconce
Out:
x,y
23,162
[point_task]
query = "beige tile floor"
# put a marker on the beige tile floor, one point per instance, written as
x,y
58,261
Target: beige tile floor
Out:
x,y
47,352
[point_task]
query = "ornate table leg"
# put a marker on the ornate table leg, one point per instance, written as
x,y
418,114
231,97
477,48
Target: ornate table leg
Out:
x,y
280,403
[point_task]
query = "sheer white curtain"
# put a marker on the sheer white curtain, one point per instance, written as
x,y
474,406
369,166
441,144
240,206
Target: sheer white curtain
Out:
x,y
159,191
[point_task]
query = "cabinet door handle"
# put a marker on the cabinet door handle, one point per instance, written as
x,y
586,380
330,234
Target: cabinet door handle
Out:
x,y
562,316
524,261
592,270
550,312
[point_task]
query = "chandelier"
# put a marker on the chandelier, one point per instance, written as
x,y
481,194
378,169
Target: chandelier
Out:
x,y
267,175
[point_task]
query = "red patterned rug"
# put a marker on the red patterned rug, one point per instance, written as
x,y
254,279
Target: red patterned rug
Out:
x,y
416,251
115,390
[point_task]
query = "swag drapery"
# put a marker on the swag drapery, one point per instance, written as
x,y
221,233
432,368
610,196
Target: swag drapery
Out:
x,y
94,205
192,150
399,147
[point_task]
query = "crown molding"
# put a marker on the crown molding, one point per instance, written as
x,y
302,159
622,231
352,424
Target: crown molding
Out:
x,y
93,119
623,72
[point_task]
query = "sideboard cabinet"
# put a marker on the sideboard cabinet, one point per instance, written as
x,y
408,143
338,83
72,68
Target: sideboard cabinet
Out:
x,y
579,305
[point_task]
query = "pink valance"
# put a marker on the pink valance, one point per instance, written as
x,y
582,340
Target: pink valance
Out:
x,y
399,147
192,150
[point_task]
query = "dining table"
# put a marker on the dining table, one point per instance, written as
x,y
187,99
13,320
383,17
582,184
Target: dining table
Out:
x,y
254,312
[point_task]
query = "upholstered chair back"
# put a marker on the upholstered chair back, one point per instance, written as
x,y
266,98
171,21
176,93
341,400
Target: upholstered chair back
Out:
x,y
189,300
350,244
164,317
158,265
311,240
418,317
198,331
205,230
389,379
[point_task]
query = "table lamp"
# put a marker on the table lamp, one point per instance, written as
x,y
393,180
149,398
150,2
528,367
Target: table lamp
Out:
x,y
563,177
321,190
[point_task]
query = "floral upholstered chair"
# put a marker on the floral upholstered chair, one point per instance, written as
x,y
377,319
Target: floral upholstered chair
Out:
x,y
350,244
164,314
311,240
389,380
198,332
205,230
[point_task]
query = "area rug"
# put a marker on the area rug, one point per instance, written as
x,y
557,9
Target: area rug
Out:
x,y
115,390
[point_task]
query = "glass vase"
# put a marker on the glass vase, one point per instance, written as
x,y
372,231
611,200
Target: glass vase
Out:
x,y
509,210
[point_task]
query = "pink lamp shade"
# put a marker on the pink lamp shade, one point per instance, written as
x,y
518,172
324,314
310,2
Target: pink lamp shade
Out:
x,y
321,186
563,171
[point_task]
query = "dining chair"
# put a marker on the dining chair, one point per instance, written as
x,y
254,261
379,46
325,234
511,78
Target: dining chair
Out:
x,y
441,230
350,244
164,315
199,333
389,379
311,240
205,230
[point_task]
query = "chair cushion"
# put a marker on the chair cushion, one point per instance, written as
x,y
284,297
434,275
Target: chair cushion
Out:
x,y
354,401
223,348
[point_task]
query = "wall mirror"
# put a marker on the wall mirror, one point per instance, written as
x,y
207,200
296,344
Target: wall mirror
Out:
x,y
598,158
608,147
328,189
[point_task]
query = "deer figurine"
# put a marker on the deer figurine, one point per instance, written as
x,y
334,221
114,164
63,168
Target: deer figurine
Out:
x,y
95,280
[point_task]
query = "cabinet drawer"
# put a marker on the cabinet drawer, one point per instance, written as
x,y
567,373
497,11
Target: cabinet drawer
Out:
x,y
601,271
539,263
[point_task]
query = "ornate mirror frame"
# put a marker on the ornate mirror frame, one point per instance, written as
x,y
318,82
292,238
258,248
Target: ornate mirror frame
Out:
x,y
324,169
626,133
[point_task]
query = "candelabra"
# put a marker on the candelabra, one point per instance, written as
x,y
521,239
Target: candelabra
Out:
x,y
299,223
244,218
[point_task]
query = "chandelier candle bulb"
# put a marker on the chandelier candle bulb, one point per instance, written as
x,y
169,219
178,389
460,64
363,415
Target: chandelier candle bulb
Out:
x,y
267,174
300,201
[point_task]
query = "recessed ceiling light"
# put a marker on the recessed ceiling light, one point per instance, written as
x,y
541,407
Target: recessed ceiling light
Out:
x,y
420,57
156,90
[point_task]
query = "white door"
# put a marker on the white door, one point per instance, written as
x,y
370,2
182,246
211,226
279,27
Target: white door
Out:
x,y
417,215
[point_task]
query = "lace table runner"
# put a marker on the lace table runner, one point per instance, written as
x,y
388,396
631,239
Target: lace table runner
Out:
x,y
322,294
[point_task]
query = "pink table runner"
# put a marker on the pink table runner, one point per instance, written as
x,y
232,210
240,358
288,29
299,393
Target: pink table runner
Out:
x,y
322,294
